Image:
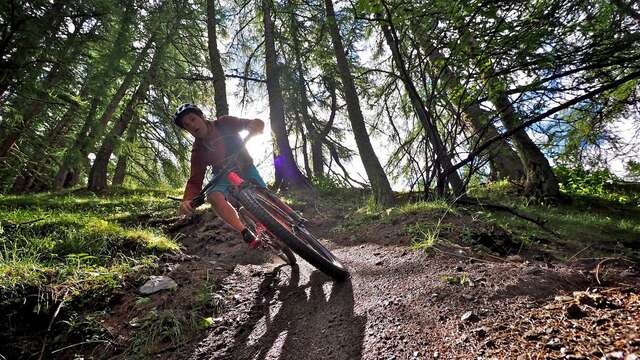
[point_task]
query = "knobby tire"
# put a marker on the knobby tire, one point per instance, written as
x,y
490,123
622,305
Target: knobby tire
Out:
x,y
275,244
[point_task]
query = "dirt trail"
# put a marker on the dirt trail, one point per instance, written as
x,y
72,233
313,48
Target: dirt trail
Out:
x,y
400,304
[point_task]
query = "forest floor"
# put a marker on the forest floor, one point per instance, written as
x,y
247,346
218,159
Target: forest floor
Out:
x,y
428,280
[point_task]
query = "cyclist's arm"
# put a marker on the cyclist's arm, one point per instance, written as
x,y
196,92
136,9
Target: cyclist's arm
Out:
x,y
239,124
198,170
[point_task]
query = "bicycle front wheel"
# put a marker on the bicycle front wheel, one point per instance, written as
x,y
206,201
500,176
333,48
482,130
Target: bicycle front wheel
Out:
x,y
275,245
300,240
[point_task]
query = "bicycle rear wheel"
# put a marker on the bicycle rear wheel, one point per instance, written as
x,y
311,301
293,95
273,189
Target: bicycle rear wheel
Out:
x,y
300,240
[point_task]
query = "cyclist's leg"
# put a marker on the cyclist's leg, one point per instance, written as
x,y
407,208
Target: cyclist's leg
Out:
x,y
222,207
217,198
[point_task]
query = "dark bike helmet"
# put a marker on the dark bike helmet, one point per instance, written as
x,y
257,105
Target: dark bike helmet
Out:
x,y
183,110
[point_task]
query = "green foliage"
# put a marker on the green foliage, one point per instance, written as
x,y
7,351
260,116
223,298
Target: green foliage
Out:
x,y
633,170
82,243
456,279
66,62
368,211
157,327
169,327
598,220
423,235
369,6
327,184
598,184
208,300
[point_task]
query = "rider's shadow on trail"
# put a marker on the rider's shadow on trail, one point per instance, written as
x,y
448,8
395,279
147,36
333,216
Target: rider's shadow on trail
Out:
x,y
301,321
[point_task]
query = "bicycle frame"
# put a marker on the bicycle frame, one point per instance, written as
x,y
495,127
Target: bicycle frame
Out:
x,y
238,183
227,170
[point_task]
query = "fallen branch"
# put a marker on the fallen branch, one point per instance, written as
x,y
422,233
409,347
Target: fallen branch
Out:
x,y
53,318
579,252
24,222
604,261
30,222
83,343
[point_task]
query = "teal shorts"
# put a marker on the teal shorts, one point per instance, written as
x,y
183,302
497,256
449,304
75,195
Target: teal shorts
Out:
x,y
251,174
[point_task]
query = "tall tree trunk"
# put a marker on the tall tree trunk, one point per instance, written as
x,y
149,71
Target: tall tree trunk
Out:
x,y
84,143
285,165
72,158
121,167
219,86
304,147
303,101
442,156
379,181
98,173
540,179
317,158
505,162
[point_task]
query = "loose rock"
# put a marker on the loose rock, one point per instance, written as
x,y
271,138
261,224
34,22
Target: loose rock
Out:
x,y
554,344
469,316
563,298
616,355
574,311
532,335
157,283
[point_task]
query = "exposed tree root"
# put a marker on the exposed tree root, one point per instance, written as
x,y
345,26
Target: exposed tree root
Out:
x,y
540,222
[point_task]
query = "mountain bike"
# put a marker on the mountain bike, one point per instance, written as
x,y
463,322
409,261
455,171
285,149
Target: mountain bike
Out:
x,y
279,228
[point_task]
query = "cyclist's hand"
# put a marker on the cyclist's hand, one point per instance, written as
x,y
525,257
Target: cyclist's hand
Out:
x,y
256,126
185,208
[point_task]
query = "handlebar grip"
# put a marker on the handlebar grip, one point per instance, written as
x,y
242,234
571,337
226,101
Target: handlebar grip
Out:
x,y
197,201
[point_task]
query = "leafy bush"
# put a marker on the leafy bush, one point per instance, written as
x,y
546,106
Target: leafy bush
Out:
x,y
599,184
328,184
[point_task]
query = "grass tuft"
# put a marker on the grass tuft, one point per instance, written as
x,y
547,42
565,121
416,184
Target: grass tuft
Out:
x,y
74,242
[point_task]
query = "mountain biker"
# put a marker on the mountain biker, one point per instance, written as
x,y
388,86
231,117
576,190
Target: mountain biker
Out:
x,y
215,141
